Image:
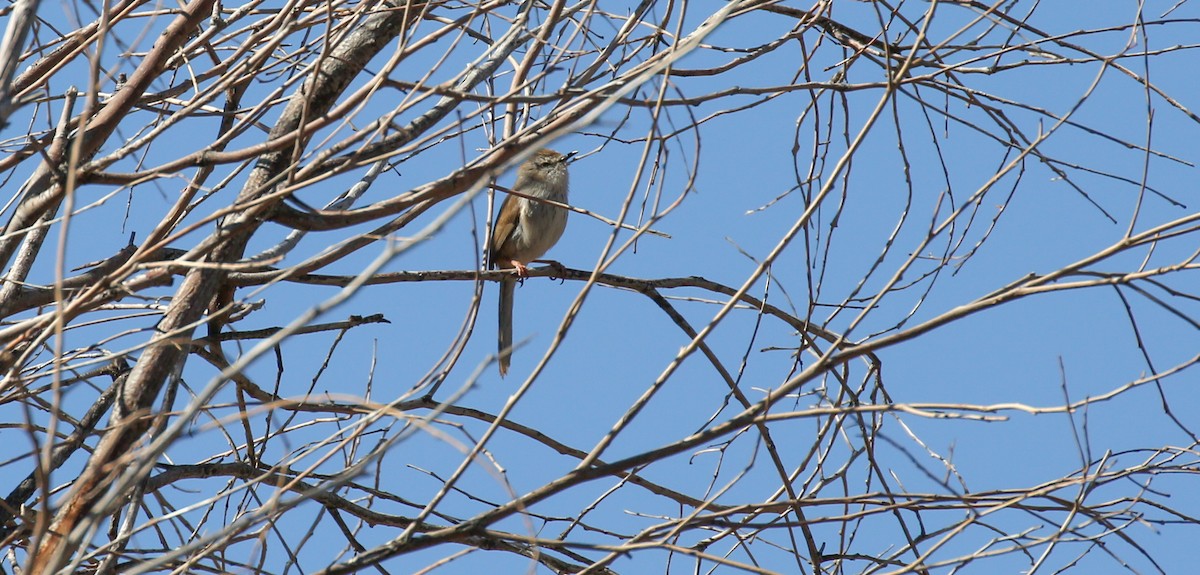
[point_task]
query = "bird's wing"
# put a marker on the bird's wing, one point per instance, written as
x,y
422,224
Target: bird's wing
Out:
x,y
506,222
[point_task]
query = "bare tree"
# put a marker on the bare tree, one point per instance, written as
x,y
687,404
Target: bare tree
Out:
x,y
973,188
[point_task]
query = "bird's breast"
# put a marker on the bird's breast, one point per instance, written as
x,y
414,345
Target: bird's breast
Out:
x,y
541,227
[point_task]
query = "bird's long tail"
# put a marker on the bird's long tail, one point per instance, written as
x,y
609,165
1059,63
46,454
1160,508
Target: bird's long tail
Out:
x,y
504,337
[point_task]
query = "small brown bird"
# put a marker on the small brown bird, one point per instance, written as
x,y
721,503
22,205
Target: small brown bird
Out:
x,y
527,229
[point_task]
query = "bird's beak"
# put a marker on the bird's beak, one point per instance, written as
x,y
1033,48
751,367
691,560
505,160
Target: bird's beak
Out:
x,y
571,154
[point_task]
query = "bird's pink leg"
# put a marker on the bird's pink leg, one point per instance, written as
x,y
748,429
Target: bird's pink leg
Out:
x,y
522,270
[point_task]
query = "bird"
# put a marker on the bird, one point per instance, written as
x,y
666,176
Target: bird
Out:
x,y
525,230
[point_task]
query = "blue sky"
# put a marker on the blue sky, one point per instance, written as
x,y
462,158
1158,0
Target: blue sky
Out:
x,y
1036,351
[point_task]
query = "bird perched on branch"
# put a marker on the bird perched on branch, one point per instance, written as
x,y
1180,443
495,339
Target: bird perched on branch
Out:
x,y
526,229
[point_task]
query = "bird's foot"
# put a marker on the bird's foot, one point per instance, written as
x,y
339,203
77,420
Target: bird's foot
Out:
x,y
521,269
559,269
